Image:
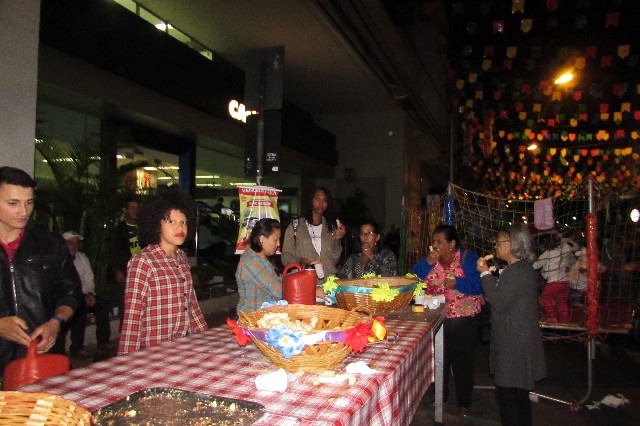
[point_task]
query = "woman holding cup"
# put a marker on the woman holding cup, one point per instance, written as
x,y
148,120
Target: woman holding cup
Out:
x,y
516,357
450,270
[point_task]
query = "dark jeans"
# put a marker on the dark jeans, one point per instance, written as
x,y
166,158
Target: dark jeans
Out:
x,y
459,341
78,324
515,406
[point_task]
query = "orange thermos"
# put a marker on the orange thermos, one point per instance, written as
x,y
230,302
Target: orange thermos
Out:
x,y
299,287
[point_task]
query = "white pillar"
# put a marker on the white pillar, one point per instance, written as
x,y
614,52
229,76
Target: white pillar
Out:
x,y
19,39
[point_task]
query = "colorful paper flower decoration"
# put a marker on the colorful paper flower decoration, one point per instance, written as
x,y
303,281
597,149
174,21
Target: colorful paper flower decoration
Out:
x,y
330,285
288,342
421,286
383,293
369,275
241,338
358,336
379,330
269,304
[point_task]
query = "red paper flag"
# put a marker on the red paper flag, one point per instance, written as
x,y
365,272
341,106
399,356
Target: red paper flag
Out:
x,y
552,5
612,20
590,51
489,51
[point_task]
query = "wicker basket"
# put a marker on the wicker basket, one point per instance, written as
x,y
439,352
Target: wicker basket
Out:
x,y
22,408
348,298
318,357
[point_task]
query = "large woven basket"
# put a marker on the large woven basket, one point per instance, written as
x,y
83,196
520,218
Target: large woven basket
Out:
x,y
318,357
24,408
355,293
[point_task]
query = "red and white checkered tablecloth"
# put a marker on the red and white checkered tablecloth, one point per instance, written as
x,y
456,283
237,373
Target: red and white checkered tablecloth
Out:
x,y
213,363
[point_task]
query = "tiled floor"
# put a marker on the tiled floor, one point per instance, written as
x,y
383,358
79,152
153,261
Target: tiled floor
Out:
x,y
615,369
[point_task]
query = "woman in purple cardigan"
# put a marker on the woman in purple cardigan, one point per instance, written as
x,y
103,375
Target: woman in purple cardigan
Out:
x,y
450,270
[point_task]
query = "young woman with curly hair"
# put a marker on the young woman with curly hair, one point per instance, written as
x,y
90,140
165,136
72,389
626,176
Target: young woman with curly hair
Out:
x,y
160,301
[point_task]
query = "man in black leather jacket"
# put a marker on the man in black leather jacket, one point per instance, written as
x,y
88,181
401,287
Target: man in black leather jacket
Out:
x,y
39,286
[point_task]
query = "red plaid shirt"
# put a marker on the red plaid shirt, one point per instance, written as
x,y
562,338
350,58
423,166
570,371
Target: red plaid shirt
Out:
x,y
160,302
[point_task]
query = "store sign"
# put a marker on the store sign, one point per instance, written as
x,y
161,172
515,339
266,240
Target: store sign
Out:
x,y
237,111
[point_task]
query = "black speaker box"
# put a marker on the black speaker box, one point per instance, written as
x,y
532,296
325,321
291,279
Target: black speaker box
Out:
x,y
264,76
271,143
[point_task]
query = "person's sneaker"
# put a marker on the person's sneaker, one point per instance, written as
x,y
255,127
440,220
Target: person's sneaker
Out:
x,y
82,354
106,347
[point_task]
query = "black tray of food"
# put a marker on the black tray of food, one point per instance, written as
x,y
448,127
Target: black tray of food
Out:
x,y
169,406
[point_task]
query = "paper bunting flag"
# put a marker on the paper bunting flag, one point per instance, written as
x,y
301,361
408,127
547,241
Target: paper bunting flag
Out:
x,y
582,4
526,25
517,6
617,117
531,64
489,51
552,24
457,8
612,20
623,50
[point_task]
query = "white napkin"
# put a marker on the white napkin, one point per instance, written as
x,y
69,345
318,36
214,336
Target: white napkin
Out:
x,y
275,381
614,401
359,367
434,302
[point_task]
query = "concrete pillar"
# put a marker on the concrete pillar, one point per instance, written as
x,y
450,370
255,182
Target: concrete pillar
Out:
x,y
19,39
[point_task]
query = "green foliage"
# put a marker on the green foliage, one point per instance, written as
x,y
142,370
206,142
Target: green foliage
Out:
x,y
83,196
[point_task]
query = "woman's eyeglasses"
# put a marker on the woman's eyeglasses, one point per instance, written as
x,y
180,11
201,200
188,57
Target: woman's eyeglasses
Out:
x,y
365,234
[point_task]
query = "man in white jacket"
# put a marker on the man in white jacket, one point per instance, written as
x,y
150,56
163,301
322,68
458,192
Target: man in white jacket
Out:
x,y
92,303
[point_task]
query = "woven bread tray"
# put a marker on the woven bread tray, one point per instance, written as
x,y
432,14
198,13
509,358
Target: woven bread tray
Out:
x,y
318,357
355,293
24,408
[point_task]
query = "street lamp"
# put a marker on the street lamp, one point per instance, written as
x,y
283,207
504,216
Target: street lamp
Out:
x,y
562,79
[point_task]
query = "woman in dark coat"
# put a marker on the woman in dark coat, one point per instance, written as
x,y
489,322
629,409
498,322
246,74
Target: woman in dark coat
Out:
x,y
517,357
